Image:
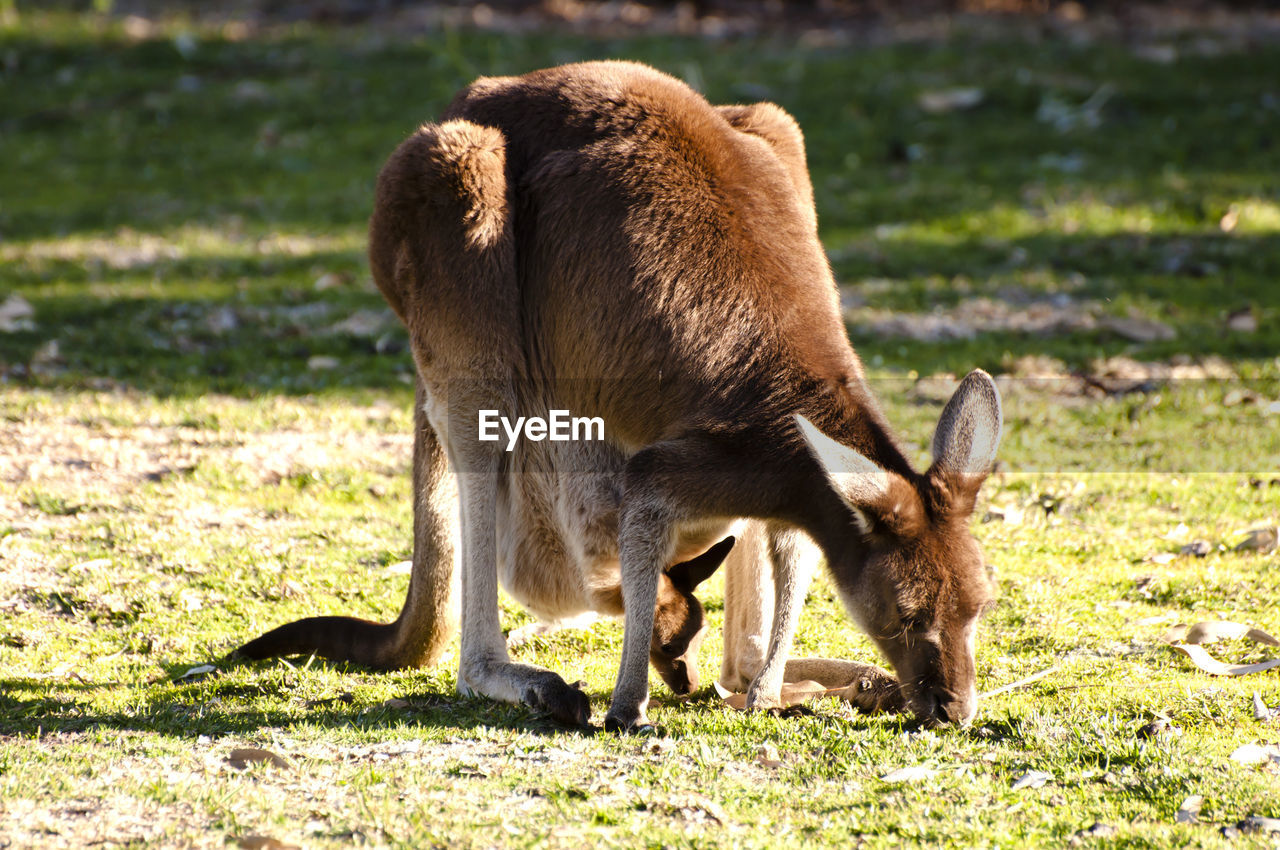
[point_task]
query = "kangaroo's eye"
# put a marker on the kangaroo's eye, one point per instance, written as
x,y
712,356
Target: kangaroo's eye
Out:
x,y
913,622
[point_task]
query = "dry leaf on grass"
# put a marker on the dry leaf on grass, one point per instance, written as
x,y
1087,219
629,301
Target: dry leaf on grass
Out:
x,y
1215,630
197,672
793,693
1259,540
1213,666
262,842
1185,639
950,100
242,757
767,756
1197,548
322,363
1258,823
1189,811
16,314
694,808
1256,754
1031,779
915,773
1260,710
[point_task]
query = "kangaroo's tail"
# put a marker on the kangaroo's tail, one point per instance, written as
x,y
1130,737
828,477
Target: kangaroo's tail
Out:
x,y
429,618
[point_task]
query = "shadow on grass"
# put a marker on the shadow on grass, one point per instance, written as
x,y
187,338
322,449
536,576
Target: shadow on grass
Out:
x,y
188,711
248,326
195,708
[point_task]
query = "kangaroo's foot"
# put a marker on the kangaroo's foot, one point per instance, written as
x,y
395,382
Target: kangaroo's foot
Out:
x,y
535,687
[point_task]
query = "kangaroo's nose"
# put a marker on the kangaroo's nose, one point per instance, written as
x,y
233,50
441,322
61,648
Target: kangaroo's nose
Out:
x,y
942,706
689,681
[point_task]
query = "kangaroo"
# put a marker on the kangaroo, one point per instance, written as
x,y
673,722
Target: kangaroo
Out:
x,y
598,238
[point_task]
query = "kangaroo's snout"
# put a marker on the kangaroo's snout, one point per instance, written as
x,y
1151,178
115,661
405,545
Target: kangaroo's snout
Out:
x,y
939,706
681,677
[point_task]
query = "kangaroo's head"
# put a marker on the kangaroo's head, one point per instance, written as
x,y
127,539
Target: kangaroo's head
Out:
x,y
909,571
678,621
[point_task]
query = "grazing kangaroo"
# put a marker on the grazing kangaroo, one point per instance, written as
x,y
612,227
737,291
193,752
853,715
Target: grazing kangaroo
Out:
x,y
598,238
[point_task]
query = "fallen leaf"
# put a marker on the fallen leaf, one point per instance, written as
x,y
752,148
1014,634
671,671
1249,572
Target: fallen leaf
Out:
x,y
1213,666
1197,548
322,362
1256,754
767,756
696,808
1008,514
1098,830
1031,779
1210,631
1136,329
1189,811
950,100
242,757
197,672
263,842
16,314
1260,710
1235,398
1229,219
329,280
914,773
364,323
395,703
1258,823
1161,54
1259,540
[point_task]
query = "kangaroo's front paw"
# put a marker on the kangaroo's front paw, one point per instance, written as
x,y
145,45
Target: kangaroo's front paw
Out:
x,y
565,703
628,722
874,692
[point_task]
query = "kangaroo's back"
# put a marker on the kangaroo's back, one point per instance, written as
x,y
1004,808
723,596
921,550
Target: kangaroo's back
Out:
x,y
663,258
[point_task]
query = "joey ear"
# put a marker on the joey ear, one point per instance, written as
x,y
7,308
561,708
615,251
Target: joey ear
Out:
x,y
856,477
968,432
687,575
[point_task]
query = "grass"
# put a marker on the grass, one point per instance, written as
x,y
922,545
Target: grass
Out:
x,y
198,444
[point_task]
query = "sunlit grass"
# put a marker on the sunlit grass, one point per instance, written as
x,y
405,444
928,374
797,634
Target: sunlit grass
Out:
x,y
194,447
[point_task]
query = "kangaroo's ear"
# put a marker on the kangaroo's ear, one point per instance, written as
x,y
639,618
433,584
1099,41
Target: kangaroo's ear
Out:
x,y
857,477
968,432
861,482
687,575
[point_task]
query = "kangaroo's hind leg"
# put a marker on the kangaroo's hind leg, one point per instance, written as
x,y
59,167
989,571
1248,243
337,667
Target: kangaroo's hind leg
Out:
x,y
442,249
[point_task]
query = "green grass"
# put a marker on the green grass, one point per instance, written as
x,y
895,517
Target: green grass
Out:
x,y
180,472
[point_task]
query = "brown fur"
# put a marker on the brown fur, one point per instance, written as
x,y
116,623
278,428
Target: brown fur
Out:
x,y
597,237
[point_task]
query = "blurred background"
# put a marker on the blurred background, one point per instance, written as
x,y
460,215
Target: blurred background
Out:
x,y
1083,192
